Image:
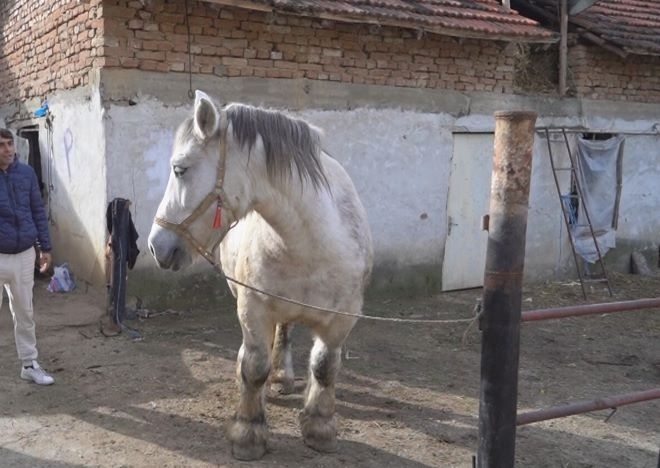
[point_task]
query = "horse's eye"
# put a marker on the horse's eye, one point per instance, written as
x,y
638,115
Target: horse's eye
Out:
x,y
179,171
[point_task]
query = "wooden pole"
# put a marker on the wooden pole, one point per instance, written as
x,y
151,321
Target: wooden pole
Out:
x,y
502,293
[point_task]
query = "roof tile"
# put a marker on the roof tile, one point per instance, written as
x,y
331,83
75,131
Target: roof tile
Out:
x,y
486,19
632,25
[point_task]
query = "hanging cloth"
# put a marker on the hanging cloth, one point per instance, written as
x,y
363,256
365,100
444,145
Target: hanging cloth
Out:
x,y
122,252
598,162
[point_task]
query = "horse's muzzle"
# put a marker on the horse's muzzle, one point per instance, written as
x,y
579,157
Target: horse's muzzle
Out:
x,y
168,249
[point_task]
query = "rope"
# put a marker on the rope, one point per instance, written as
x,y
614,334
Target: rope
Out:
x,y
181,229
478,312
339,312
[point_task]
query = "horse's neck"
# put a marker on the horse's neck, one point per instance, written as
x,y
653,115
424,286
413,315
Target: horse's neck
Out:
x,y
303,220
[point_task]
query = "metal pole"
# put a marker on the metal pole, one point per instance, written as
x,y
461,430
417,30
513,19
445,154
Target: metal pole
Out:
x,y
593,130
505,256
589,309
586,406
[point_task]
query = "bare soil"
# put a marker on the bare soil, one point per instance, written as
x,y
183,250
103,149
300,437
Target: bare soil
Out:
x,y
407,395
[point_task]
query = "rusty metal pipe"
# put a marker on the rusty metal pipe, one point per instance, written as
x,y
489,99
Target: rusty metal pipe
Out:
x,y
589,309
586,406
502,293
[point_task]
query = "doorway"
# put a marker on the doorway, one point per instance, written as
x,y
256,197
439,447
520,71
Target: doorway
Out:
x,y
468,201
31,134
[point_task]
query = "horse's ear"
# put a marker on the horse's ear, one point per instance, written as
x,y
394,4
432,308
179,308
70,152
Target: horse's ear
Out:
x,y
207,117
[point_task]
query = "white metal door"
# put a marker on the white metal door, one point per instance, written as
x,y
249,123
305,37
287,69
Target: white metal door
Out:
x,y
468,201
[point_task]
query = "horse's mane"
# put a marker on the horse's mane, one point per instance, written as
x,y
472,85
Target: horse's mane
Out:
x,y
288,142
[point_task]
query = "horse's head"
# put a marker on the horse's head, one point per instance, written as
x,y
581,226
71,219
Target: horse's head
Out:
x,y
199,203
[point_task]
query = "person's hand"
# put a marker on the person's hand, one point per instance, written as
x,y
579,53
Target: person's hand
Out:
x,y
45,260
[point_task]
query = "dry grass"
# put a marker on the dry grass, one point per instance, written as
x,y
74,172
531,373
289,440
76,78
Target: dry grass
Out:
x,y
536,69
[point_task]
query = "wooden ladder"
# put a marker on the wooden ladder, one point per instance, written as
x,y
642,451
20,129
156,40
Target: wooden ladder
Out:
x,y
570,218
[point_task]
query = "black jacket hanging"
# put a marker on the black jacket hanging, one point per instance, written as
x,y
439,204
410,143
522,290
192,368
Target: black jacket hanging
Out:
x,y
123,252
118,219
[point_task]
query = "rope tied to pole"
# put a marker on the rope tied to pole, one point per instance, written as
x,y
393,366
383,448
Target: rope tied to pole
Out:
x,y
471,321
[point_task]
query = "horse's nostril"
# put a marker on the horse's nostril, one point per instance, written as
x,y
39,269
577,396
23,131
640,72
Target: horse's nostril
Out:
x,y
151,249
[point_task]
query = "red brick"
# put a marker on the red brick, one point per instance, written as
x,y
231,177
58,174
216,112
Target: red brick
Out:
x,y
233,42
150,55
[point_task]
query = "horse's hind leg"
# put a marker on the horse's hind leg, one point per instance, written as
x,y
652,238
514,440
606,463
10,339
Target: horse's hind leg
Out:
x,y
247,430
281,377
317,422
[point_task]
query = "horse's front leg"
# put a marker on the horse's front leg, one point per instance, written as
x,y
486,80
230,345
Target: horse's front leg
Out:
x,y
317,421
247,431
282,377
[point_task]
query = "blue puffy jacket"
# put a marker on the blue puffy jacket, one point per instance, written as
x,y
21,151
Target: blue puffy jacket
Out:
x,y
23,221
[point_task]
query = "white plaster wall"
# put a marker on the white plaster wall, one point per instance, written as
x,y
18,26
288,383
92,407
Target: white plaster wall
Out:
x,y
409,154
399,162
639,209
396,143
75,158
139,143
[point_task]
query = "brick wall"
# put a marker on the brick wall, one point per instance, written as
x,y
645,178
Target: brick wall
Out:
x,y
46,45
598,74
52,44
232,42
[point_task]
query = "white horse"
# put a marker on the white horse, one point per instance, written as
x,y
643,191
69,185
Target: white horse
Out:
x,y
289,222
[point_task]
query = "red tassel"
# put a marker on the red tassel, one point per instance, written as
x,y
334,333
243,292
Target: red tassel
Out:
x,y
217,220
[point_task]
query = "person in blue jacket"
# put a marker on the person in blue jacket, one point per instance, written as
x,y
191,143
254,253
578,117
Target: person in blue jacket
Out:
x,y
23,226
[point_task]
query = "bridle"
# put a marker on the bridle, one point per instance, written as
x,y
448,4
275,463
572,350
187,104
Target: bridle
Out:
x,y
217,196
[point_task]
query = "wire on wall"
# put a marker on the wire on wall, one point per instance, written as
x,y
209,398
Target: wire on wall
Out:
x,y
50,187
191,94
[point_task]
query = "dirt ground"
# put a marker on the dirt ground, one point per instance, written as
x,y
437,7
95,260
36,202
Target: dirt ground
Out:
x,y
407,396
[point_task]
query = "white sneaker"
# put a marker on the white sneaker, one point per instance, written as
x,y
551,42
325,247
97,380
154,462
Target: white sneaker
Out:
x,y
36,374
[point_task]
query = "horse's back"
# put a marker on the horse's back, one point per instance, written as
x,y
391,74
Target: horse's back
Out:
x,y
352,214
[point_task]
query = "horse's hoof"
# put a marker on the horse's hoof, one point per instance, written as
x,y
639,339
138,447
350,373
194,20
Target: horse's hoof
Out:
x,y
248,439
283,387
248,453
321,445
318,432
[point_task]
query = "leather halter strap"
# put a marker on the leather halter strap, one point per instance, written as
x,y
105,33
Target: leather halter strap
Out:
x,y
217,196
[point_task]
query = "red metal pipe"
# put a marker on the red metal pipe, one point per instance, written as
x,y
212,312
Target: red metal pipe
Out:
x,y
586,406
589,309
